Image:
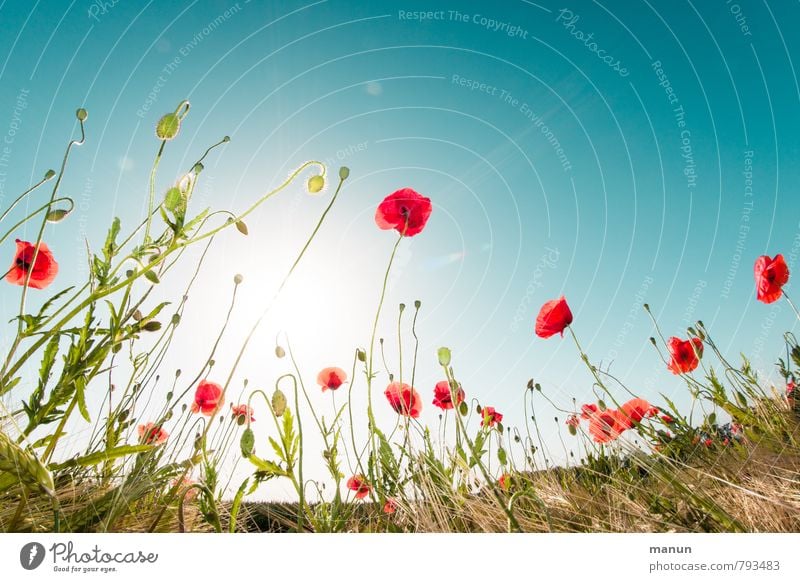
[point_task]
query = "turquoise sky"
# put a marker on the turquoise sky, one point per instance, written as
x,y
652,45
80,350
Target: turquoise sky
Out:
x,y
614,152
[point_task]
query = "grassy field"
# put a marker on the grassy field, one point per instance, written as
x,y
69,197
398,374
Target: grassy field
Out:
x,y
729,464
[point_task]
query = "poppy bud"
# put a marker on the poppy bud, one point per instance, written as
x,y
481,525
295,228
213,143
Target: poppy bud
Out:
x,y
278,402
444,356
173,199
49,174
344,173
198,167
279,351
137,315
417,304
237,279
315,184
176,318
152,326
168,126
242,227
81,114
226,139
402,307
57,215
361,355
530,384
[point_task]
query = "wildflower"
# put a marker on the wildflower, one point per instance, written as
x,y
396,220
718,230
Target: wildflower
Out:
x,y
443,398
708,442
633,411
390,506
42,272
331,378
504,481
667,419
208,398
358,484
770,275
684,354
152,434
573,421
605,426
490,417
404,399
554,317
588,411
405,210
243,413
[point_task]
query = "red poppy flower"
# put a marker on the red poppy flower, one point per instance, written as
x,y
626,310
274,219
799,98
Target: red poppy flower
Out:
x,y
331,378
243,413
683,357
633,411
151,434
708,442
504,481
588,411
490,416
790,387
443,398
390,506
208,398
404,399
42,272
406,211
573,420
554,317
359,484
771,275
667,419
605,426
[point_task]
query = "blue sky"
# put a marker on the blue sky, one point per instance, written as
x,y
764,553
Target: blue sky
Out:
x,y
614,152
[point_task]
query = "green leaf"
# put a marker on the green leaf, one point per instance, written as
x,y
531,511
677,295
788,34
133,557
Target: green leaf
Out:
x,y
237,502
501,456
80,396
268,467
104,456
109,248
278,402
